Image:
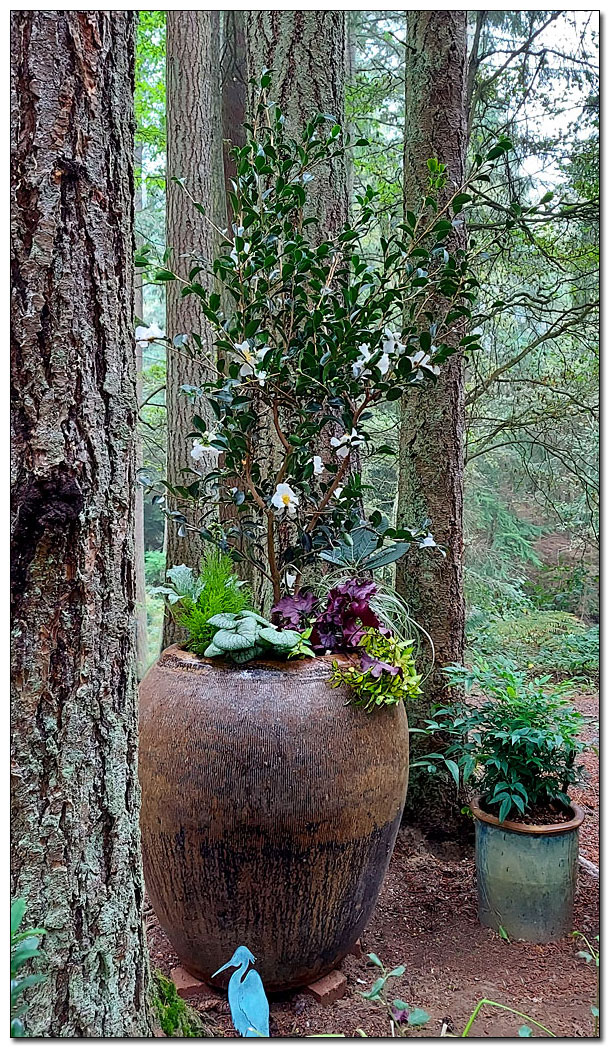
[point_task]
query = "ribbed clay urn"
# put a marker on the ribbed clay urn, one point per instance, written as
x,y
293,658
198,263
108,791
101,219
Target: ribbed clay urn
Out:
x,y
270,809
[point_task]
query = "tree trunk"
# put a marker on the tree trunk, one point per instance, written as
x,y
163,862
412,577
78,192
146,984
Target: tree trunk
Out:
x,y
308,52
234,91
194,153
140,573
431,455
75,796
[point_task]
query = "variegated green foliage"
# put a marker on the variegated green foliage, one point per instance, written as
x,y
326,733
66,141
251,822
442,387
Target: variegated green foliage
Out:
x,y
386,674
184,584
195,600
246,635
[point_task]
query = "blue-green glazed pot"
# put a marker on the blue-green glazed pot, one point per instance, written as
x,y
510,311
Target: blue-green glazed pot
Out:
x,y
526,875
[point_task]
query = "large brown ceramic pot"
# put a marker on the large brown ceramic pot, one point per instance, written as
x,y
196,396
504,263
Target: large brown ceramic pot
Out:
x,y
269,811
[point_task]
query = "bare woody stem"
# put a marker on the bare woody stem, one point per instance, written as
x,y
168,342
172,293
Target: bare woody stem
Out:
x,y
251,486
276,421
275,575
340,472
329,494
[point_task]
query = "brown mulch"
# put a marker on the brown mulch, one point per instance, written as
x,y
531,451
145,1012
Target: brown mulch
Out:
x,y
543,815
426,919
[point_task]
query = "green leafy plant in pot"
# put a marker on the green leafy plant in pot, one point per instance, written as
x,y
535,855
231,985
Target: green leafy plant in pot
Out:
x,y
518,746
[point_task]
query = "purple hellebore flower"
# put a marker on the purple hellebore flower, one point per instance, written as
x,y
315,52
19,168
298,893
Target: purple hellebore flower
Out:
x,y
347,615
293,610
325,638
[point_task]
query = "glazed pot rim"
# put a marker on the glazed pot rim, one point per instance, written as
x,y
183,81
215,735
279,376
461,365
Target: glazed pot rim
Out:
x,y
545,830
189,660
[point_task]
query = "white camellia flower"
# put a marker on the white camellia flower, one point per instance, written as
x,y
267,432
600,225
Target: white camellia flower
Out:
x,y
249,358
199,451
252,360
285,500
359,368
343,445
420,357
202,448
144,335
392,343
249,364
318,465
384,363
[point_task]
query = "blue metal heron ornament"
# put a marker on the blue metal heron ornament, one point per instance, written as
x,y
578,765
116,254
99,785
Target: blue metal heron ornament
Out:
x,y
247,1001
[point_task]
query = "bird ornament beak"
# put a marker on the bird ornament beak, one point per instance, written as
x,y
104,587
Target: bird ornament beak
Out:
x,y
229,964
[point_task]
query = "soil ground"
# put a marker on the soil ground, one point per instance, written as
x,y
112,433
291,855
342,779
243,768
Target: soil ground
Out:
x,y
426,919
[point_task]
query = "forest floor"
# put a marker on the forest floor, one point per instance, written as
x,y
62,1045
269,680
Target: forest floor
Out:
x,y
426,919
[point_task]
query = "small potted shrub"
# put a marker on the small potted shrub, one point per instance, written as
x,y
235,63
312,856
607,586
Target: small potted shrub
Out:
x,y
518,746
271,801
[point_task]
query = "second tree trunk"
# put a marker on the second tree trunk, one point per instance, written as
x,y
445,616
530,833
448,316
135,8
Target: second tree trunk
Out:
x,y
194,153
431,455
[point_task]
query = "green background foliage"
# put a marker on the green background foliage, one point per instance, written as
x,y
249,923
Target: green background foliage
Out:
x,y
531,480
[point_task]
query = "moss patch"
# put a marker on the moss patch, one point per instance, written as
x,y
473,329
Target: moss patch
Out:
x,y
173,1015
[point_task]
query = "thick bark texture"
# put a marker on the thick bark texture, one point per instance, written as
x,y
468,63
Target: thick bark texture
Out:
x,y
194,153
75,793
308,52
431,458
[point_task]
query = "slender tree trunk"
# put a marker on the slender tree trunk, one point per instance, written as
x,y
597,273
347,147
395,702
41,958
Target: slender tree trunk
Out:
x,y
234,91
140,563
194,153
309,54
431,455
234,97
474,61
75,793
141,619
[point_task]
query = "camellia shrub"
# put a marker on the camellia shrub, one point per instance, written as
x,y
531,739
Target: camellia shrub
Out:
x,y
310,335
